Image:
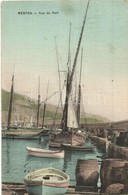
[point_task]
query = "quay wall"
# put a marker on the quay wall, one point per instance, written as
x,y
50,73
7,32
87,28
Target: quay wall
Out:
x,y
117,151
101,143
113,150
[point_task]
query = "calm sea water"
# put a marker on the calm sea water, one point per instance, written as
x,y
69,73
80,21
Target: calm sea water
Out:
x,y
16,163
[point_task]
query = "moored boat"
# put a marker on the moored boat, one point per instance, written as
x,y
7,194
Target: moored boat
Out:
x,y
45,153
46,181
80,148
20,136
73,137
71,134
25,133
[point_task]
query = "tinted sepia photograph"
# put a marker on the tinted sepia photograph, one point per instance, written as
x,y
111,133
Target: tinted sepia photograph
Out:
x,y
64,97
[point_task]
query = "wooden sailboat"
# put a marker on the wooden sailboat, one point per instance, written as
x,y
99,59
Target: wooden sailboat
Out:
x,y
76,147
18,135
70,133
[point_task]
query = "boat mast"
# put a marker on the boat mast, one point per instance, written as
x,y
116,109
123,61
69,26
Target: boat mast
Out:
x,y
65,111
70,75
10,103
59,74
69,49
44,110
78,47
38,105
79,92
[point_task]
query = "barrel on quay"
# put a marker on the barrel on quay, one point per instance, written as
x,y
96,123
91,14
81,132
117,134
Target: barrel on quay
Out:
x,y
87,174
111,172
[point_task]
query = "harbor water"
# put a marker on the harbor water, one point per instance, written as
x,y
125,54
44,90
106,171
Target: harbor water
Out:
x,y
16,163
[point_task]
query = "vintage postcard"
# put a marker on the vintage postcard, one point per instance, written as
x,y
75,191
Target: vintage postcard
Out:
x,y
64,97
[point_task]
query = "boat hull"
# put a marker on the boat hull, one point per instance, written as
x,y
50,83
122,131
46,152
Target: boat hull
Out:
x,y
73,138
79,148
21,135
24,137
45,190
47,181
45,153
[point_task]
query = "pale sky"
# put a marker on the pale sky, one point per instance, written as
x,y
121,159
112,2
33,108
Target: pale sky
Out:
x,y
28,43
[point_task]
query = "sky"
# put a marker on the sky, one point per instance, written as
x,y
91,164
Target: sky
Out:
x,y
28,50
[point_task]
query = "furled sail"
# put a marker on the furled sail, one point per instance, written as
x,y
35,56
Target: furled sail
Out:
x,y
72,119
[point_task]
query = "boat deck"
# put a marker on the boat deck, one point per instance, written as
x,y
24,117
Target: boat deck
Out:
x,y
48,177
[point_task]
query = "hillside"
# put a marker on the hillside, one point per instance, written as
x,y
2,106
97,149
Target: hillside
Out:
x,y
25,110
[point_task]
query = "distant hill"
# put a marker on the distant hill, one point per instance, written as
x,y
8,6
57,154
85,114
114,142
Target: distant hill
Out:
x,y
25,110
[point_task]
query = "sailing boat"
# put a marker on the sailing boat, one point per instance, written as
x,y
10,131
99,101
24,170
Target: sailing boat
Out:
x,y
17,135
70,133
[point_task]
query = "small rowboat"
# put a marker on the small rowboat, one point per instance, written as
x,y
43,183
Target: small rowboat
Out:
x,y
81,148
45,153
47,181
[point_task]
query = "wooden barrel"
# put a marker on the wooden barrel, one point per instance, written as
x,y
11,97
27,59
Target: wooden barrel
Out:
x,y
111,172
87,172
116,188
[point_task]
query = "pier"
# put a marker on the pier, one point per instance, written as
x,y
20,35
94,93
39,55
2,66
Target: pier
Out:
x,y
111,149
101,143
117,151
